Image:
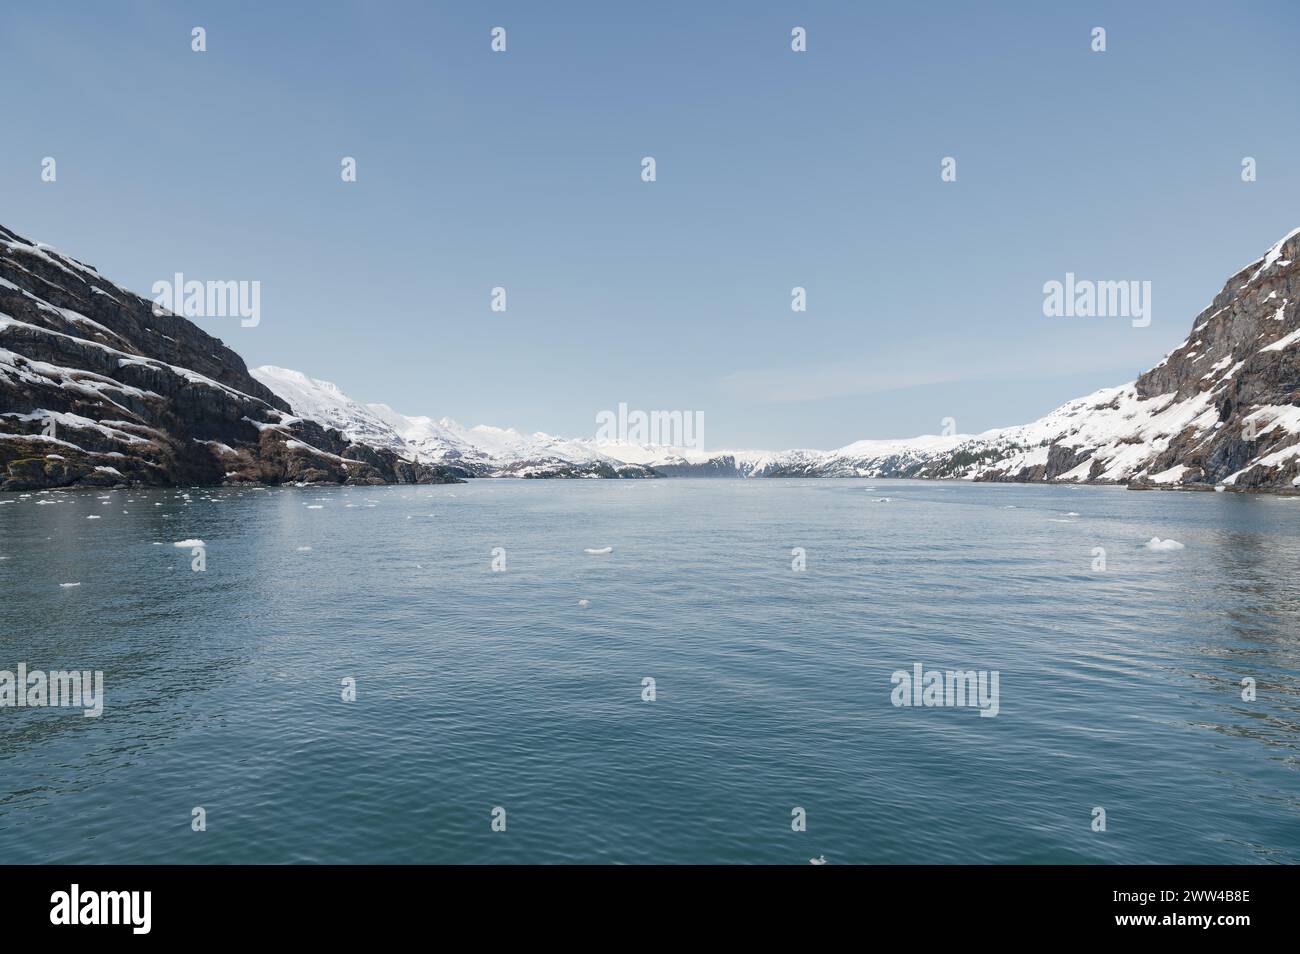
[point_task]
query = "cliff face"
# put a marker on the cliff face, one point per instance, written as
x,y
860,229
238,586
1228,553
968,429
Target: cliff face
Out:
x,y
1242,363
96,390
1223,410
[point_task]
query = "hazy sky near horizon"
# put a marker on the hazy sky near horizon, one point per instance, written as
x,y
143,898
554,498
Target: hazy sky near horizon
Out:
x,y
775,169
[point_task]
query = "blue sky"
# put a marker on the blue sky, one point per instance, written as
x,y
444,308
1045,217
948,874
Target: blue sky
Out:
x,y
775,169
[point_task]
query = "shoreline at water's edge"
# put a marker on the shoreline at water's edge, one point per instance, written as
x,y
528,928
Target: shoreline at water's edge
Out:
x,y
450,479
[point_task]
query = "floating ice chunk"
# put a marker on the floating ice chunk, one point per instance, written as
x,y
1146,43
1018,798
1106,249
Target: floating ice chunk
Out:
x,y
1155,543
598,551
186,544
584,603
68,585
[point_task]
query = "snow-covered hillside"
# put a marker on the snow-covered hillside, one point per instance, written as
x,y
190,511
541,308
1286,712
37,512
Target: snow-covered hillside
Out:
x,y
1222,409
481,450
95,388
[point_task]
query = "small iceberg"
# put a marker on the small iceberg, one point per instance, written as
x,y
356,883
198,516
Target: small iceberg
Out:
x,y
1155,543
598,551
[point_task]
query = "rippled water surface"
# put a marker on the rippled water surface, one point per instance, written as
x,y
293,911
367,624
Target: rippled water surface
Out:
x,y
475,689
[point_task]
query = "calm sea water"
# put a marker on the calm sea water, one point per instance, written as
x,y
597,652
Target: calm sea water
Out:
x,y
476,689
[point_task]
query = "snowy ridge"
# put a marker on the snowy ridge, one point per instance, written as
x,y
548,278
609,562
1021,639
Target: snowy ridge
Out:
x,y
1222,409
86,370
87,375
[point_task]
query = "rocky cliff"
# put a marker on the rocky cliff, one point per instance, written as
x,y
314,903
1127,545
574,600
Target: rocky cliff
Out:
x,y
1220,411
97,390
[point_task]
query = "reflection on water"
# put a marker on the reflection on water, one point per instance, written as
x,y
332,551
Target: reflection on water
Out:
x,y
1119,689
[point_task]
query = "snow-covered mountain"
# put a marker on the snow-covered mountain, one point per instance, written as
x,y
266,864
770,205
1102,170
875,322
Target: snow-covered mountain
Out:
x,y
476,451
484,450
95,388
98,390
1223,409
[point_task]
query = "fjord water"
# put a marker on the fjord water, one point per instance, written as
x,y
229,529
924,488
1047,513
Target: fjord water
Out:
x,y
476,689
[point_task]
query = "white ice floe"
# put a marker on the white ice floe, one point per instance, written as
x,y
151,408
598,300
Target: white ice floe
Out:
x,y
598,551
1155,543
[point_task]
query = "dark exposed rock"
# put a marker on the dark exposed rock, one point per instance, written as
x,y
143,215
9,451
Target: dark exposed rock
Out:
x,y
97,390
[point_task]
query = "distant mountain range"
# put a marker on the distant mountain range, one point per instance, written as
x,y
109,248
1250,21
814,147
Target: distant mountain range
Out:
x,y
95,390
